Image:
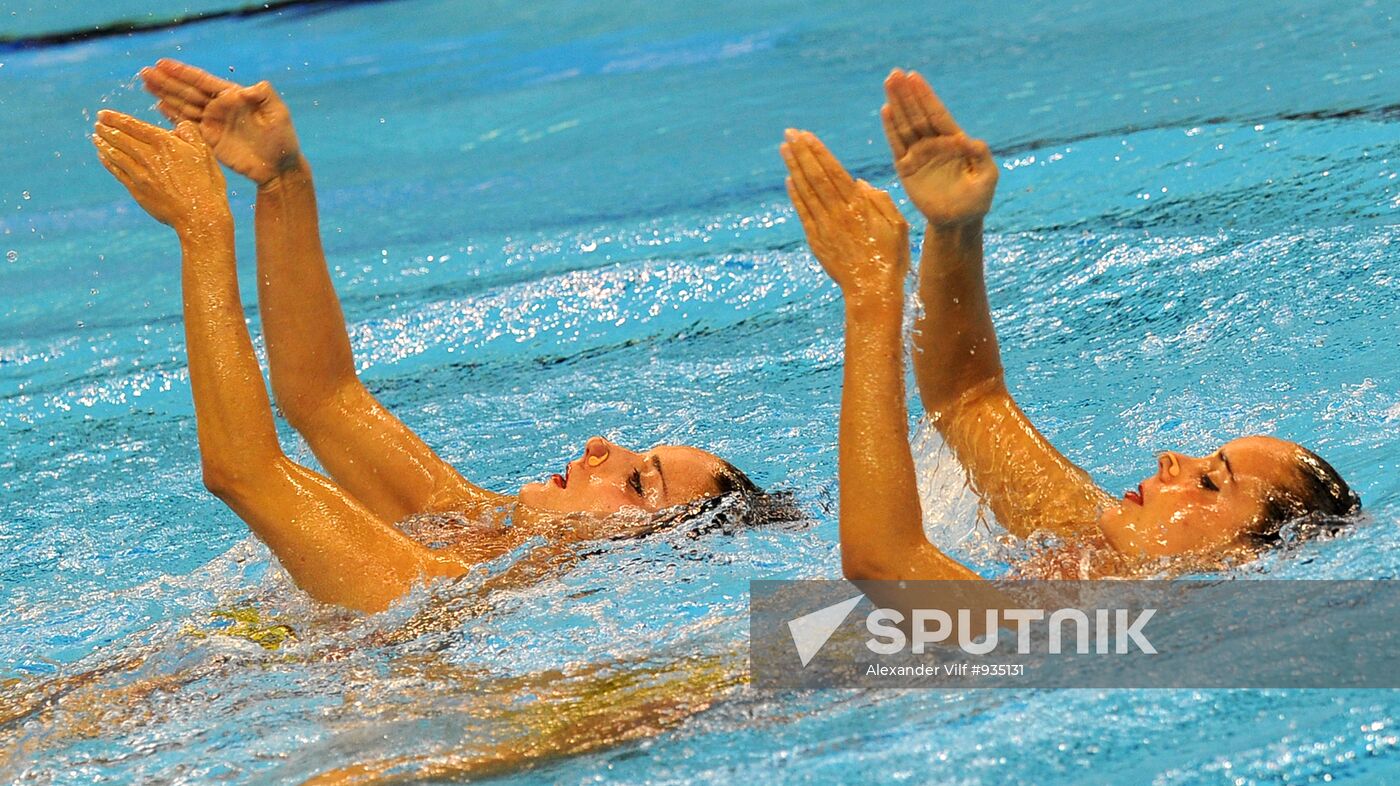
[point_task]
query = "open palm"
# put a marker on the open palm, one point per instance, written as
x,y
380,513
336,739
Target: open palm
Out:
x,y
170,173
853,228
249,128
950,176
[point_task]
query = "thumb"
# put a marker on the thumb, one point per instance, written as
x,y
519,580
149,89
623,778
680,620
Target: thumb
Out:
x,y
262,91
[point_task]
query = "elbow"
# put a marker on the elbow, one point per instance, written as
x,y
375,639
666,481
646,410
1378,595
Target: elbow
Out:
x,y
947,401
233,480
303,407
221,479
914,562
865,565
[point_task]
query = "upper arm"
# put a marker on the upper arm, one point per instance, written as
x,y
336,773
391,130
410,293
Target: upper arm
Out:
x,y
1027,483
920,562
334,547
377,459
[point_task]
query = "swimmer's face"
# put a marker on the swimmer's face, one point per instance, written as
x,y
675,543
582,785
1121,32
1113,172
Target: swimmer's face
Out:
x,y
1201,505
609,477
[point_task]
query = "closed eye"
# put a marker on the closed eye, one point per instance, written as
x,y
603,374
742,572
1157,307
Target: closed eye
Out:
x,y
634,481
1207,483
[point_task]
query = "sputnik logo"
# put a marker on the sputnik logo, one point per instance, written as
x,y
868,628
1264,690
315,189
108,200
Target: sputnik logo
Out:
x,y
810,632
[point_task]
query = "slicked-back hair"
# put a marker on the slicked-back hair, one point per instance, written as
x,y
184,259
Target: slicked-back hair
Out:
x,y
1318,499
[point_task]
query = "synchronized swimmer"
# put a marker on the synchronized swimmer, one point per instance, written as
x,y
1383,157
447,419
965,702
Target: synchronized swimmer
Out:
x,y
336,535
1226,505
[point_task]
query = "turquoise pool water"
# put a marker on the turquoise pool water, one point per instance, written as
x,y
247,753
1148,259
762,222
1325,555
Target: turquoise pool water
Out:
x,y
549,221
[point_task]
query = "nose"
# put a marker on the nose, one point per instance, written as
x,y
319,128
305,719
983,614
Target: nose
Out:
x,y
1172,466
1168,466
596,451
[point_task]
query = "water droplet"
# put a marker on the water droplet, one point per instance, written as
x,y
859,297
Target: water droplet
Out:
x,y
24,194
12,255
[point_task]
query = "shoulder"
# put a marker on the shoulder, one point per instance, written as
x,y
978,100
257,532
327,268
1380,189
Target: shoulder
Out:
x,y
1080,559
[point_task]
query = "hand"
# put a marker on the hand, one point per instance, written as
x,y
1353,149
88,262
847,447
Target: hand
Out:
x,y
172,175
854,229
249,128
950,176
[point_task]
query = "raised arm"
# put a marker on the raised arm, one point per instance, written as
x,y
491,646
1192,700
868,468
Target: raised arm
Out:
x,y
333,547
365,448
951,178
862,242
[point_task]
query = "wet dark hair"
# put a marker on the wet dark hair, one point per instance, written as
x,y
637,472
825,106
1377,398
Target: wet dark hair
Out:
x,y
1319,501
740,502
730,479
755,505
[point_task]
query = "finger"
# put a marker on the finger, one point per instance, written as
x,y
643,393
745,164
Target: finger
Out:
x,y
799,203
898,113
979,148
897,146
129,145
218,111
189,132
115,160
121,176
262,91
196,77
137,129
176,110
883,204
163,85
169,112
789,155
935,113
812,172
835,173
803,186
794,169
912,105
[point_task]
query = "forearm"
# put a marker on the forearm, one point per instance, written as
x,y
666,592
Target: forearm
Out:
x,y
1027,483
882,533
232,411
955,343
333,547
368,450
308,349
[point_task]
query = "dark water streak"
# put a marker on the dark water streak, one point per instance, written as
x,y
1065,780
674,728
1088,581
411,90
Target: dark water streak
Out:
x,y
125,27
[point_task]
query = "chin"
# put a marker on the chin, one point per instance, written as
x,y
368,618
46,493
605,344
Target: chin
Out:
x,y
533,495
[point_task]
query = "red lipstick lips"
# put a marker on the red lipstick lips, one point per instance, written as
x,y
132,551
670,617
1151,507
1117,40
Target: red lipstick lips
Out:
x,y
1134,495
562,481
